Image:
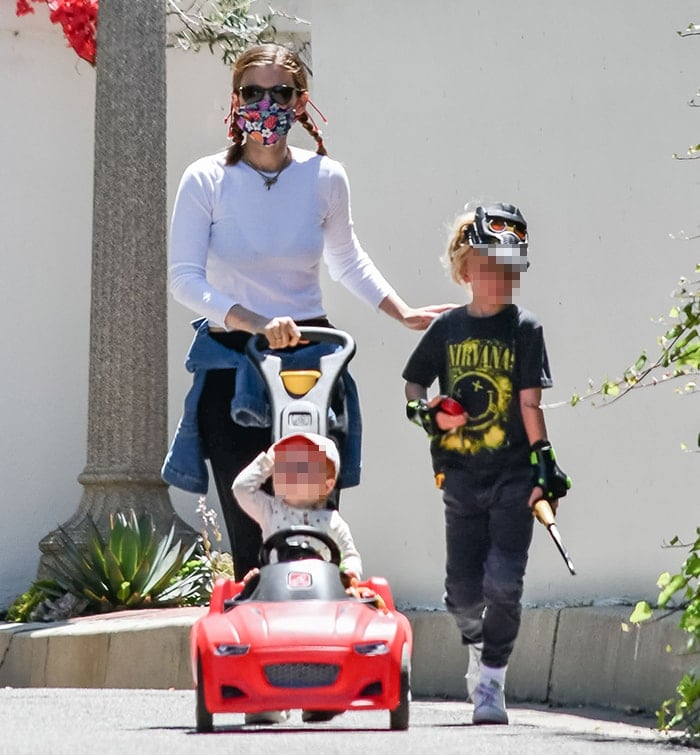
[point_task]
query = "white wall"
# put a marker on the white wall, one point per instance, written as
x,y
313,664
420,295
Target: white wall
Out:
x,y
572,111
46,144
585,106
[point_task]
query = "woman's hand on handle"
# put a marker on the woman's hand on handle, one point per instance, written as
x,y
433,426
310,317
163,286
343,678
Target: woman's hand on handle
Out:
x,y
282,332
279,331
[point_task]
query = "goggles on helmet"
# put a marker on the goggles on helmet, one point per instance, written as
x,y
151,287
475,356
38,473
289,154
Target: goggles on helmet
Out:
x,y
501,230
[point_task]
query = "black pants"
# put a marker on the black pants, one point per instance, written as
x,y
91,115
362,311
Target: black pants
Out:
x,y
488,527
230,448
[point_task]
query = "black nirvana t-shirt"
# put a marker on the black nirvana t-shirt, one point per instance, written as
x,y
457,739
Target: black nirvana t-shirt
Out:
x,y
482,362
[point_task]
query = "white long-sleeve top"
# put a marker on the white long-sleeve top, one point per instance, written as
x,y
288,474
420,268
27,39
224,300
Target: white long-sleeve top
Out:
x,y
233,241
273,514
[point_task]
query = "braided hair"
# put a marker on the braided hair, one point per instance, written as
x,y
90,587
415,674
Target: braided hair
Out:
x,y
261,55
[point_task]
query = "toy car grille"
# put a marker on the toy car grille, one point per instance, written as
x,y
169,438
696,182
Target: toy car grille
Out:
x,y
291,675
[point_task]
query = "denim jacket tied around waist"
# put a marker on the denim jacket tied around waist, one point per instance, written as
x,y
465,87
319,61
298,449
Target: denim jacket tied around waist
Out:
x,y
184,466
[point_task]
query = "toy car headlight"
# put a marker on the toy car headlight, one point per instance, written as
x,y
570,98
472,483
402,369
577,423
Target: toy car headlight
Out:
x,y
232,649
371,648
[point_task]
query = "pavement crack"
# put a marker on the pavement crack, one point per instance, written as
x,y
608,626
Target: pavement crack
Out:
x,y
550,670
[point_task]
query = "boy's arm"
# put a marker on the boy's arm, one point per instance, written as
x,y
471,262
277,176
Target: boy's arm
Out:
x,y
533,419
427,414
533,416
415,391
246,486
546,468
349,555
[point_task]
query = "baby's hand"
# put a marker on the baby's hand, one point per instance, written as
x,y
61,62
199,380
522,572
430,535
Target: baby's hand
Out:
x,y
348,578
252,573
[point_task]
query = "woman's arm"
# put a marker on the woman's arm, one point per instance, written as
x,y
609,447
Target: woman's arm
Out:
x,y
349,264
279,331
414,318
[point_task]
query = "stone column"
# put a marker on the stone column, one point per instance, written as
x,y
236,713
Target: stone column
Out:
x,y
127,414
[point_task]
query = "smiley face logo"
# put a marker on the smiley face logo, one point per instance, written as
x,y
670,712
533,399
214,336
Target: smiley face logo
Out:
x,y
478,393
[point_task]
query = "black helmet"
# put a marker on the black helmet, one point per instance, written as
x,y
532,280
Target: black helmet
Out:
x,y
500,225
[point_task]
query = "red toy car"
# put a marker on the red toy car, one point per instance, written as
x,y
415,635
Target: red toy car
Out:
x,y
294,638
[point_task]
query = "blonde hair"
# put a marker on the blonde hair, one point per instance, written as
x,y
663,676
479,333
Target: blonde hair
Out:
x,y
458,247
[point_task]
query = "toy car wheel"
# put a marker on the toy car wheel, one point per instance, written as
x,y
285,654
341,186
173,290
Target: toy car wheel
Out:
x,y
205,720
398,718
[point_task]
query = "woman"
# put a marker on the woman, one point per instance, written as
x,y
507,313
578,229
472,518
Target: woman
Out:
x,y
248,232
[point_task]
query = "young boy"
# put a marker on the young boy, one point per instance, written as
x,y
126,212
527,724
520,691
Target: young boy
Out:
x,y
490,357
304,469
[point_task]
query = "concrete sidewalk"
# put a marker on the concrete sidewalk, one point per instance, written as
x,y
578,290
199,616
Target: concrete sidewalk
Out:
x,y
564,656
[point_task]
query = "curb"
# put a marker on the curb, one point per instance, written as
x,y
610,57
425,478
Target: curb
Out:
x,y
563,656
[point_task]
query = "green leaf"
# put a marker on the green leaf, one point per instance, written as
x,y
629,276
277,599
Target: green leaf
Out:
x,y
129,554
677,583
124,591
610,388
165,569
114,574
665,578
96,551
642,612
674,332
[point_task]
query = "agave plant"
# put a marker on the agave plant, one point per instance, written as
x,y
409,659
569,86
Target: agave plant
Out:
x,y
133,567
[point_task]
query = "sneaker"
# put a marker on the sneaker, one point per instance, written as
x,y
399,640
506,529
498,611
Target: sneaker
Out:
x,y
268,717
318,716
489,704
473,669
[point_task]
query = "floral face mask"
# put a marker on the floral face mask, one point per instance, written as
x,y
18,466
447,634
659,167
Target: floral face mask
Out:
x,y
265,122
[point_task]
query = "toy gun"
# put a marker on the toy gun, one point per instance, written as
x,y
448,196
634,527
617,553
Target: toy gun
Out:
x,y
543,511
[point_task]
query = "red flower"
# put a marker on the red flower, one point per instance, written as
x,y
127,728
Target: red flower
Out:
x,y
78,19
24,8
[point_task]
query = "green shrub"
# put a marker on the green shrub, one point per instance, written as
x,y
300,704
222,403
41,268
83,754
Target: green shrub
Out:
x,y
25,605
133,567
681,592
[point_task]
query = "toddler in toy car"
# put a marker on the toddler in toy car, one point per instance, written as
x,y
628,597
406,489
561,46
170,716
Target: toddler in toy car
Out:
x,y
304,468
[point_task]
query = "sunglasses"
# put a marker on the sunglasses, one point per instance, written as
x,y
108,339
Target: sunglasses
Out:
x,y
280,93
499,225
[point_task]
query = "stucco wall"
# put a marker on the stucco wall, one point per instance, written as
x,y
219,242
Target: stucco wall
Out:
x,y
570,110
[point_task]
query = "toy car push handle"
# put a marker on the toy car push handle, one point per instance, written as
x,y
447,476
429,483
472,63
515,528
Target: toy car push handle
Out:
x,y
543,511
303,408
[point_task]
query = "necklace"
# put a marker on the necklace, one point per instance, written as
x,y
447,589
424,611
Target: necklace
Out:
x,y
270,180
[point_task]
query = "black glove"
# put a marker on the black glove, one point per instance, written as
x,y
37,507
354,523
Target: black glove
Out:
x,y
418,411
546,472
